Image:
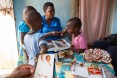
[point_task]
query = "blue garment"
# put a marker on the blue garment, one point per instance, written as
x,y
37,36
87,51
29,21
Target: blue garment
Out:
x,y
31,43
22,27
55,25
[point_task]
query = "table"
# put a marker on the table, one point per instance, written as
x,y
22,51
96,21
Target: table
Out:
x,y
64,70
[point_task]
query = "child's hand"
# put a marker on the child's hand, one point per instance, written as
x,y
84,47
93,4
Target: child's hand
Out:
x,y
63,32
55,33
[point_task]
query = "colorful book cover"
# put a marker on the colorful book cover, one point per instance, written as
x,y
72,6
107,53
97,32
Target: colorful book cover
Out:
x,y
94,70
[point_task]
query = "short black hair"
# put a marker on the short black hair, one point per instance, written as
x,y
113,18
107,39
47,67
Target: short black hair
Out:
x,y
32,15
76,21
45,6
28,8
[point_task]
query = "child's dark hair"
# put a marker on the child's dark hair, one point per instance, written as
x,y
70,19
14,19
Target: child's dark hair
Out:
x,y
46,5
76,22
32,15
28,8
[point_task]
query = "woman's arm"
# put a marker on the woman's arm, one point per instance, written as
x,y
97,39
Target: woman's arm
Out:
x,y
22,34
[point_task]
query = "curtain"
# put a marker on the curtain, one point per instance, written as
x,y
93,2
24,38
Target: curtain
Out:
x,y
6,7
111,11
8,44
74,8
93,14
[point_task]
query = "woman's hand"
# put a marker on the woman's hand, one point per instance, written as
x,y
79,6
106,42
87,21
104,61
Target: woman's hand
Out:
x,y
55,33
22,71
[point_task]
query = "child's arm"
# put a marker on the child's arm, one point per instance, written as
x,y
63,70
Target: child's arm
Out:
x,y
22,34
53,33
79,50
63,32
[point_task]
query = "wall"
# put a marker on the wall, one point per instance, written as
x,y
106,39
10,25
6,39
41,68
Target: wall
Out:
x,y
62,9
18,7
114,29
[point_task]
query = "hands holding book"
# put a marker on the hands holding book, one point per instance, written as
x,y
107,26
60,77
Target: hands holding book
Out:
x,y
22,71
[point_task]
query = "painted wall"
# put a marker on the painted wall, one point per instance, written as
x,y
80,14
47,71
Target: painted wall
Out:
x,y
114,29
62,9
18,7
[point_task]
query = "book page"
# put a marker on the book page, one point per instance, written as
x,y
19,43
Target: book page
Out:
x,y
56,57
45,66
81,71
51,46
61,44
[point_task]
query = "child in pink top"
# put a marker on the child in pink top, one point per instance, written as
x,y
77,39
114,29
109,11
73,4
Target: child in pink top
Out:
x,y
79,43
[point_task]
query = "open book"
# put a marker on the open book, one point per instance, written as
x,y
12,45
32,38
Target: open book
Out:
x,y
58,45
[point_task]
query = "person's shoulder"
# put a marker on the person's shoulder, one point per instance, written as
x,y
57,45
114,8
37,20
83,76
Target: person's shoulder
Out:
x,y
22,23
27,35
23,27
80,36
43,17
56,18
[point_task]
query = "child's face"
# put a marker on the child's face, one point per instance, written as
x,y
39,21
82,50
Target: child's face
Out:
x,y
48,58
50,11
70,28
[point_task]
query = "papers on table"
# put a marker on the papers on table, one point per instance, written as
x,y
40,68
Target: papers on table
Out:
x,y
82,71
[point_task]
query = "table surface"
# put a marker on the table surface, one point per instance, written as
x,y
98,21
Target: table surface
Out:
x,y
63,70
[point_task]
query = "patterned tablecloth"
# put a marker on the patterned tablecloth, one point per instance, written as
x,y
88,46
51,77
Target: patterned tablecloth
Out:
x,y
64,71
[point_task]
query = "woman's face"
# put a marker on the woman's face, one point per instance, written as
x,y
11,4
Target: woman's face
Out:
x,y
49,12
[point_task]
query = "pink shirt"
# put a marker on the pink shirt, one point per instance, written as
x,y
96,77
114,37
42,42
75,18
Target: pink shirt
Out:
x,y
79,42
